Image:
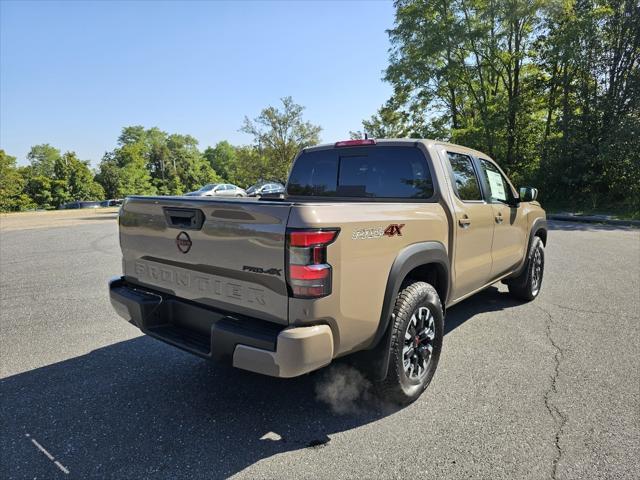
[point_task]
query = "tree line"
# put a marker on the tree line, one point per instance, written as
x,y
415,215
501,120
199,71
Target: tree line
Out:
x,y
548,88
50,180
149,161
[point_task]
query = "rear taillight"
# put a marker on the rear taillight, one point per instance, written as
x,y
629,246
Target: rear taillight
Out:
x,y
309,273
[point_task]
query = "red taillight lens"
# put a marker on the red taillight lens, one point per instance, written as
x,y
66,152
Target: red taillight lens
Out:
x,y
307,238
355,143
309,272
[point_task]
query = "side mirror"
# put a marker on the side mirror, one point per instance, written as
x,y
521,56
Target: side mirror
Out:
x,y
528,194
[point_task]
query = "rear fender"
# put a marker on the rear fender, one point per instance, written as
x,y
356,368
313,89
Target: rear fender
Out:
x,y
375,360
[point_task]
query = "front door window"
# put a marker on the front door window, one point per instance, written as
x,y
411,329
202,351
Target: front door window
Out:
x,y
509,235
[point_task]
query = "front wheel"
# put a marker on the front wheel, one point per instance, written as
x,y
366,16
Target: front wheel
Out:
x,y
527,285
416,342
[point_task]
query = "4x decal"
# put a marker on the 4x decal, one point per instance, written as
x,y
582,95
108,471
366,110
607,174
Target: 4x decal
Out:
x,y
394,229
378,232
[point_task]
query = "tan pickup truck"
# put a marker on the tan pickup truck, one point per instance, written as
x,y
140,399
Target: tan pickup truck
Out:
x,y
361,256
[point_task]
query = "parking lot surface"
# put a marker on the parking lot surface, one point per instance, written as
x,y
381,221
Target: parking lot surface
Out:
x,y
549,389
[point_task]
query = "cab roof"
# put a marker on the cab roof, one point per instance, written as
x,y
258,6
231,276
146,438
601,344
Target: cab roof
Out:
x,y
402,142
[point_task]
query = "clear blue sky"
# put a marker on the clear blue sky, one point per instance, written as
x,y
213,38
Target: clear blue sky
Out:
x,y
73,74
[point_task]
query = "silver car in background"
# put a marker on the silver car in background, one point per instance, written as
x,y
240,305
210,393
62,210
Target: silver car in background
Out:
x,y
218,190
265,188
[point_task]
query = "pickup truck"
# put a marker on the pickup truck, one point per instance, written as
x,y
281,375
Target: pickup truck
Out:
x,y
370,244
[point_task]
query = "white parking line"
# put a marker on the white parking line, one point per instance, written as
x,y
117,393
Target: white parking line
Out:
x,y
61,467
48,455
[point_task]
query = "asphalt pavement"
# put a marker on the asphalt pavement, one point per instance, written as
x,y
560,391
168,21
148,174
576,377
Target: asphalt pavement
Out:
x,y
548,389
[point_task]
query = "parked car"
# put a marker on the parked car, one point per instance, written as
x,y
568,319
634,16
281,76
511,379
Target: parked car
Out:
x,y
76,205
372,244
218,190
265,188
112,202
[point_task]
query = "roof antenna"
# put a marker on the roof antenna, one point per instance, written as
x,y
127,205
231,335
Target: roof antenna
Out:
x,y
366,135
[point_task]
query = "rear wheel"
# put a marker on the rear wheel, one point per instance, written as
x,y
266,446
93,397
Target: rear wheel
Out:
x,y
527,285
416,342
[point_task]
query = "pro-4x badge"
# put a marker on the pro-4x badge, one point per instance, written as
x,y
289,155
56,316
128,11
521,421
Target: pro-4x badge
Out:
x,y
266,271
394,229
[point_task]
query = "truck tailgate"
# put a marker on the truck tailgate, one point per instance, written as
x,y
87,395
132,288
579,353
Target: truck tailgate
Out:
x,y
228,254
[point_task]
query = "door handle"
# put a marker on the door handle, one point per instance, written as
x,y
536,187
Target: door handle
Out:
x,y
464,222
499,218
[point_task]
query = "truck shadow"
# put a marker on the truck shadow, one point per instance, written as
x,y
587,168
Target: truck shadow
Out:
x,y
138,408
488,300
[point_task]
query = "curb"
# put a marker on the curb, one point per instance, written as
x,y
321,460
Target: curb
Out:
x,y
593,219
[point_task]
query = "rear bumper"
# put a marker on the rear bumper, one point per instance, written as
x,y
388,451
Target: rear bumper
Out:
x,y
251,344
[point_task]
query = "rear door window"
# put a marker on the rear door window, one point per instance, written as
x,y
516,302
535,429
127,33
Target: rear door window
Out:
x,y
367,172
314,174
465,179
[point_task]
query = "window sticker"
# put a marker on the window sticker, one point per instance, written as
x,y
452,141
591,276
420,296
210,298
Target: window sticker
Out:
x,y
497,186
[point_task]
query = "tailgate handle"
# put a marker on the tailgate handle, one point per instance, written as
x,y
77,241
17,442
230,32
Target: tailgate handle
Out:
x,y
184,218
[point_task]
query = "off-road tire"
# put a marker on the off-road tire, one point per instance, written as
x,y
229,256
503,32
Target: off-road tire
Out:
x,y
398,387
528,284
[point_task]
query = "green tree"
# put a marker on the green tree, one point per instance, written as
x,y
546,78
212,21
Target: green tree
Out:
x,y
45,178
464,65
134,178
12,183
108,177
278,135
191,168
159,162
38,187
388,122
222,158
53,179
77,178
250,167
550,89
151,161
124,171
590,57
43,158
